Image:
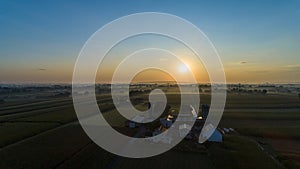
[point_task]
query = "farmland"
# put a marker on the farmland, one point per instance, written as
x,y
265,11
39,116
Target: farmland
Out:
x,y
46,134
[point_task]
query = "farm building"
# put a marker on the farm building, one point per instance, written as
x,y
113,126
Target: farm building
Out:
x,y
166,122
210,133
164,138
133,123
216,136
184,129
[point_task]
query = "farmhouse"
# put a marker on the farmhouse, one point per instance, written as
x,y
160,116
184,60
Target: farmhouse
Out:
x,y
208,132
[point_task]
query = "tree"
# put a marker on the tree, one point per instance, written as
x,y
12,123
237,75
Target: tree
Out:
x,y
264,91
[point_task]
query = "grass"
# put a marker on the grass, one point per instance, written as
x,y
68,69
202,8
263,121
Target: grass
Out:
x,y
12,132
95,157
18,127
47,150
35,106
61,116
268,116
239,152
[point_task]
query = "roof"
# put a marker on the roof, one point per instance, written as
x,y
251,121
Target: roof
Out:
x,y
211,133
216,136
208,130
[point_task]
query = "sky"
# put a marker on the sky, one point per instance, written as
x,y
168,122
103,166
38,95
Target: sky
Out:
x,y
258,41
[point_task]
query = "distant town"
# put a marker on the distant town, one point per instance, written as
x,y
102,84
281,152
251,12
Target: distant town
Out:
x,y
14,92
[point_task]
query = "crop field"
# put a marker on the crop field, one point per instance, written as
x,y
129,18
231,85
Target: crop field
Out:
x,y
271,119
69,147
46,134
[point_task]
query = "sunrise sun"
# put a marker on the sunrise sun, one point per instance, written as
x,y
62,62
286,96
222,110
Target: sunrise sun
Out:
x,y
183,68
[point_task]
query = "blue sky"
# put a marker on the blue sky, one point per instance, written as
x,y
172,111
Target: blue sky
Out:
x,y
259,39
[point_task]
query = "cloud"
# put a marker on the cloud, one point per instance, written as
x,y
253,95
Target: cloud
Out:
x,y
258,71
292,66
41,69
243,62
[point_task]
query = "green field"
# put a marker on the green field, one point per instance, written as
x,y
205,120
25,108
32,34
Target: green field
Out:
x,y
45,134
